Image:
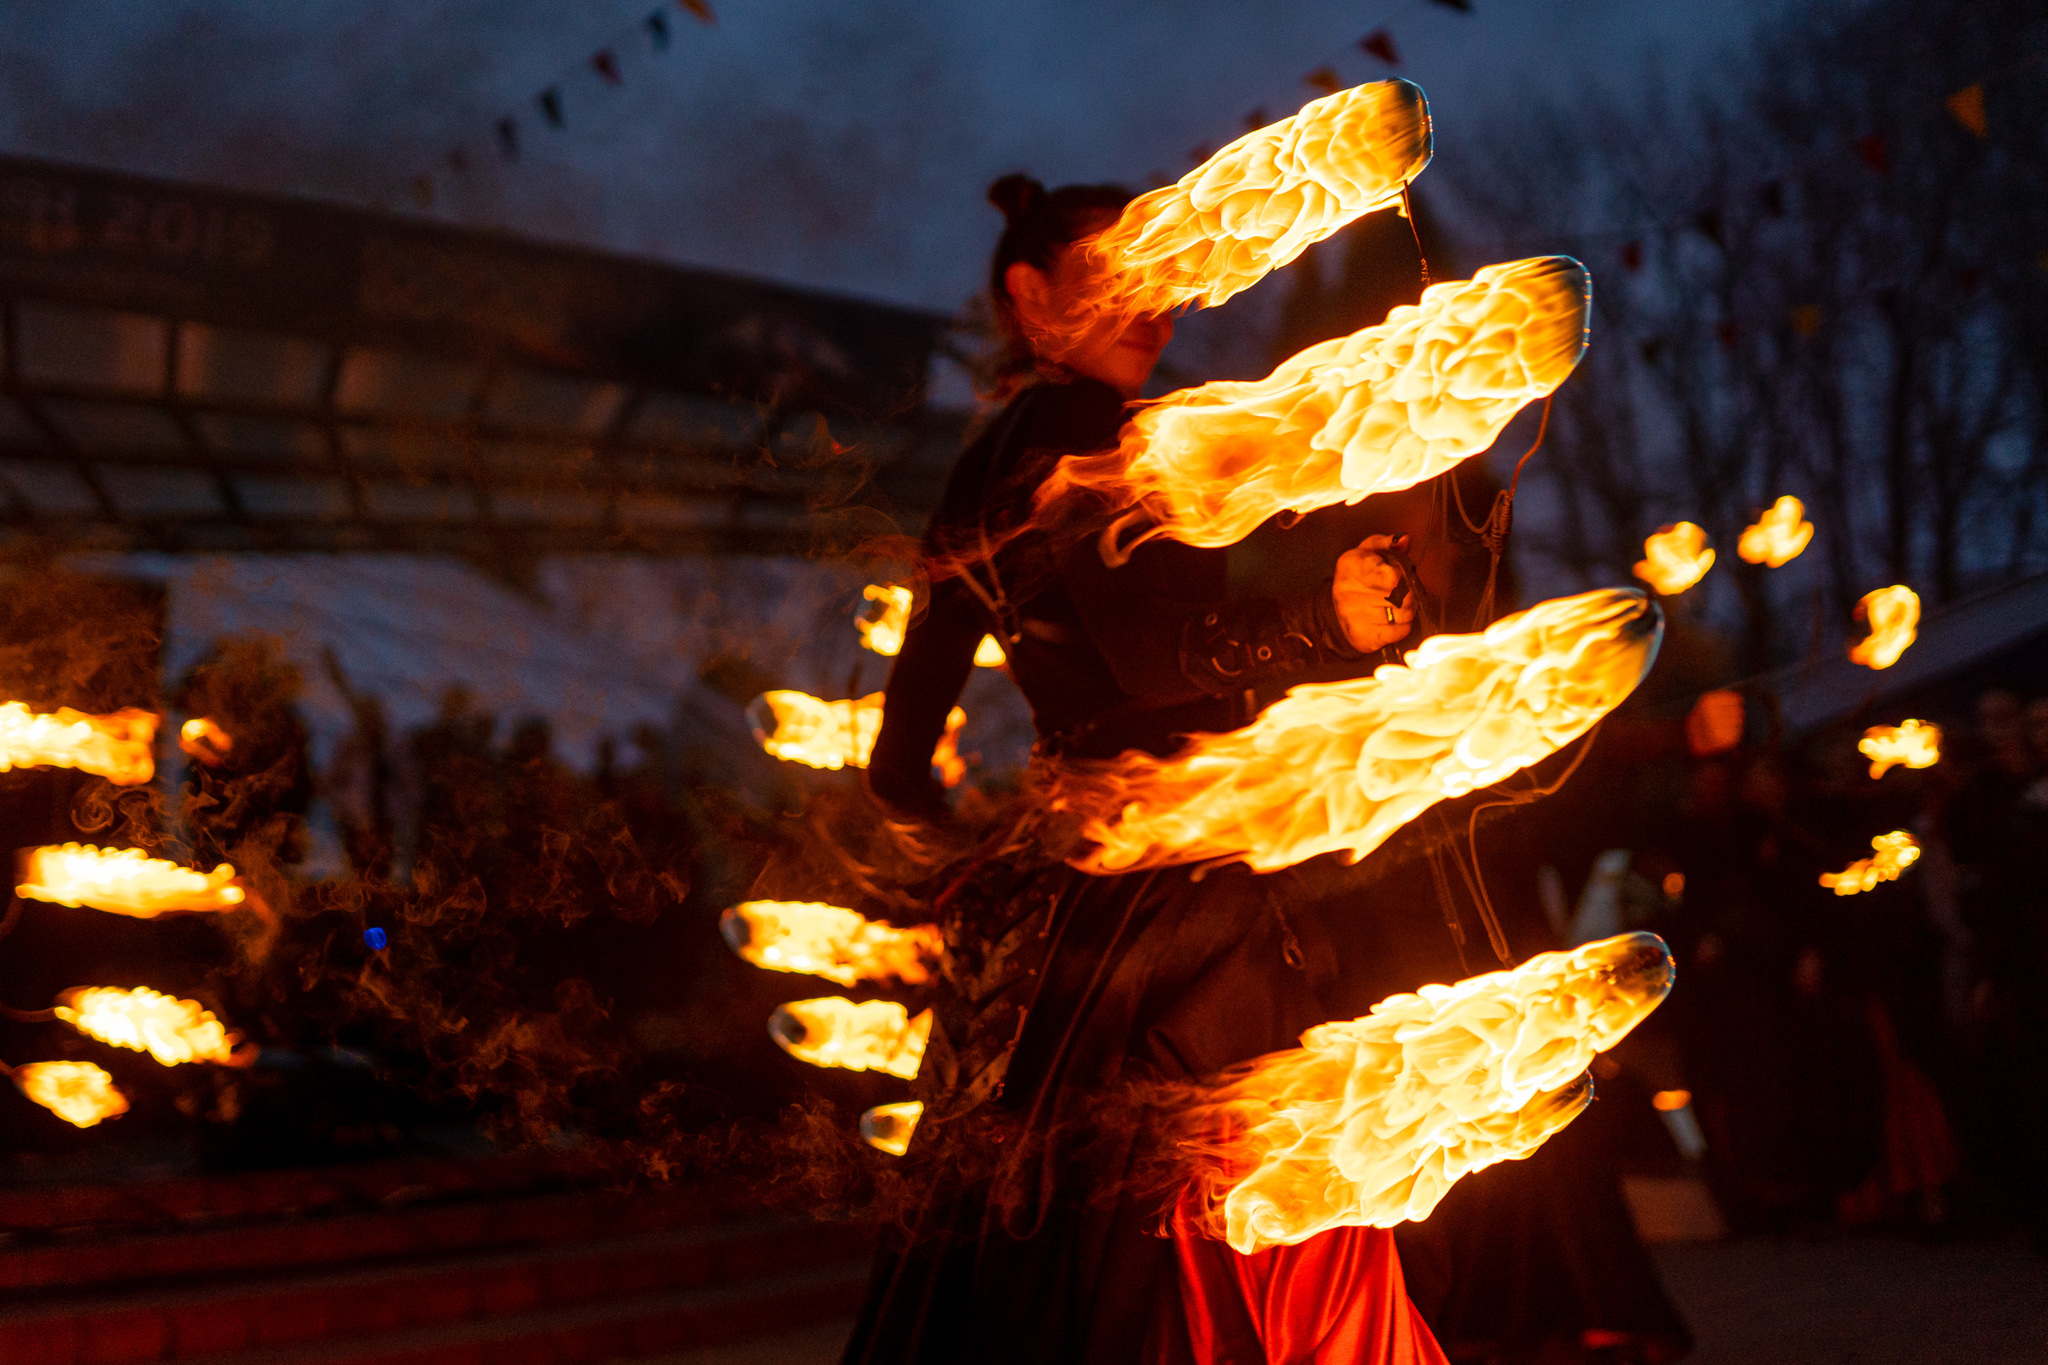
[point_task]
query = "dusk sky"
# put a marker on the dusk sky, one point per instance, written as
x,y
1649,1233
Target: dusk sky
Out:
x,y
841,146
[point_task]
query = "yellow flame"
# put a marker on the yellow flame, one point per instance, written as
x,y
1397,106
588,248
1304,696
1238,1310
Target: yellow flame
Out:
x,y
1777,537
841,734
1370,1121
171,1030
1894,617
79,1093
888,1127
200,738
989,653
830,941
1675,558
1380,410
884,631
123,881
1896,852
873,1035
1338,767
1255,205
116,747
1911,743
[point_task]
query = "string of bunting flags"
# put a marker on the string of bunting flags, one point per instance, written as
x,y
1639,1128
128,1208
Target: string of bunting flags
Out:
x,y
653,32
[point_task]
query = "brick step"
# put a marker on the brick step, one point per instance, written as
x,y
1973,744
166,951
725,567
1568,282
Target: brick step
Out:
x,y
163,1259
294,1310
629,1330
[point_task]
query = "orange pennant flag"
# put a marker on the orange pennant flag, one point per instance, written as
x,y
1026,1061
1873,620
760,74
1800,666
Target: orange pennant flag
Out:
x,y
1325,79
1967,104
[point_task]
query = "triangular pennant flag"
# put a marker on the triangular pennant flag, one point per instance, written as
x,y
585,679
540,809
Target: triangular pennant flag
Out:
x,y
1325,79
1380,44
1631,256
700,8
1199,154
1462,6
1871,148
1967,104
508,139
1256,119
657,30
550,101
606,66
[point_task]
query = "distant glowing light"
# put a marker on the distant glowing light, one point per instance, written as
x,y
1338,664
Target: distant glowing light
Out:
x,y
200,738
1894,617
124,881
1909,744
1895,852
989,653
116,747
873,1035
800,728
1665,1101
79,1093
1674,885
171,1030
1778,536
884,631
888,1127
1675,558
831,941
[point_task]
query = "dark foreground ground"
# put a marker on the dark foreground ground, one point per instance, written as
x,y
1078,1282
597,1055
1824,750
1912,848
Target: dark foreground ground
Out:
x,y
1757,1301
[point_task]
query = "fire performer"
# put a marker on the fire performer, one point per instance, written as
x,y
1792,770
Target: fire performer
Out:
x,y
1060,987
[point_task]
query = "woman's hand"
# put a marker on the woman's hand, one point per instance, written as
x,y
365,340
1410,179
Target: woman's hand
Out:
x,y
1364,588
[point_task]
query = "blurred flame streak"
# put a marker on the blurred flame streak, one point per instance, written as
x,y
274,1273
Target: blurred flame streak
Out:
x,y
873,1035
200,738
116,747
1338,767
1896,852
1911,743
841,734
989,653
1374,412
884,631
171,1030
1371,1120
1894,617
1675,558
1777,537
1254,206
830,941
79,1093
123,881
1670,1101
888,1127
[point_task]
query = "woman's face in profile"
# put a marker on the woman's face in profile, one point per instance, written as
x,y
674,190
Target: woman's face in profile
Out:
x,y
1119,351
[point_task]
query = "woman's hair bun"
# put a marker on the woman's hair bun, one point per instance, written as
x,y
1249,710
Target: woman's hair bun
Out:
x,y
1015,195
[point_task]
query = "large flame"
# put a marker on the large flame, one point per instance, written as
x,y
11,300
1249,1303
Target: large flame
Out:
x,y
200,738
1778,536
1254,206
801,728
171,1030
79,1093
1894,617
116,747
123,881
1910,744
1371,1120
888,1127
1675,558
1374,412
1895,852
830,941
872,1035
1338,767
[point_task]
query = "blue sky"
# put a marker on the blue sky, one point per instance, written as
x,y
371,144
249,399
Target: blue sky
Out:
x,y
834,145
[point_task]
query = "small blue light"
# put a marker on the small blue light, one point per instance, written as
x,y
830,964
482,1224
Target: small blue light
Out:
x,y
376,938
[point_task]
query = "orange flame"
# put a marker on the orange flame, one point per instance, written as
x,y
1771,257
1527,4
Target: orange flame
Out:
x,y
171,1030
1380,410
1894,617
1670,1101
873,1035
123,881
989,653
116,747
801,728
830,941
200,738
1338,767
884,631
1675,558
1371,1120
1778,536
1896,852
1255,205
1912,743
888,1127
79,1093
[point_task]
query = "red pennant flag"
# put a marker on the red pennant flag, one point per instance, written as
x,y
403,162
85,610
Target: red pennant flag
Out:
x,y
607,66
701,9
1380,44
550,102
1871,148
1967,106
1631,256
1325,79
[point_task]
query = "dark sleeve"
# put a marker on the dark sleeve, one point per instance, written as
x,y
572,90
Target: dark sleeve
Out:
x,y
932,667
1164,648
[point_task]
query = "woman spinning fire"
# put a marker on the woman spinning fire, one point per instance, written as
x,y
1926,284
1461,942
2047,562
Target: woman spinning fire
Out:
x,y
1063,986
